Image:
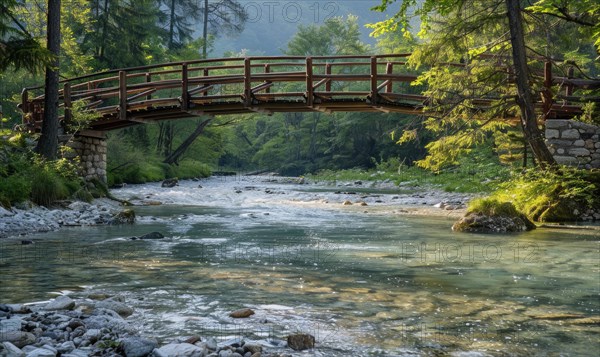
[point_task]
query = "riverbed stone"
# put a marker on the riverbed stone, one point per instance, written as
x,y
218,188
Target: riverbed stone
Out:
x,y
241,313
13,324
41,352
138,346
179,350
300,342
62,302
17,338
152,235
116,306
7,349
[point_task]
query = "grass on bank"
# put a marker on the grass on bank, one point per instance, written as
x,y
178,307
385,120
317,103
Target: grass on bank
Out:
x,y
474,174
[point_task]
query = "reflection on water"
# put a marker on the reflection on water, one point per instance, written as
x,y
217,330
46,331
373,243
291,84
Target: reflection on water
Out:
x,y
362,283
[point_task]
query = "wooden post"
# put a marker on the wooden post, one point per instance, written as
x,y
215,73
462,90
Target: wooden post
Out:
x,y
68,104
328,72
247,82
374,95
122,95
309,82
185,96
148,80
569,89
205,73
268,70
389,69
25,101
547,91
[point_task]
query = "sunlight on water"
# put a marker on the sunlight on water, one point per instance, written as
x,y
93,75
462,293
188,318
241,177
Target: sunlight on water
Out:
x,y
362,283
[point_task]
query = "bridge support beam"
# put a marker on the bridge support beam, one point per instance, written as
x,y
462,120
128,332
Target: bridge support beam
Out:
x,y
90,146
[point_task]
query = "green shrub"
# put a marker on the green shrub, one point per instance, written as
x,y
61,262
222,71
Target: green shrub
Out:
x,y
47,187
14,189
552,196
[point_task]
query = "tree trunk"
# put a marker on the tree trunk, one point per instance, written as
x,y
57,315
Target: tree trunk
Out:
x,y
47,146
531,131
205,30
174,157
172,25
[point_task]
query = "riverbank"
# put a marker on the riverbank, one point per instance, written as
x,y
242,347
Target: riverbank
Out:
x,y
29,218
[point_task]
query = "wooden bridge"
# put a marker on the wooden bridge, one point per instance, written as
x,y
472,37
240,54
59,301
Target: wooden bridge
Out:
x,y
254,84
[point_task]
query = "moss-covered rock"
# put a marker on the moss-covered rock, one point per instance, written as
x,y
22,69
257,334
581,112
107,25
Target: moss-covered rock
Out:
x,y
126,216
492,216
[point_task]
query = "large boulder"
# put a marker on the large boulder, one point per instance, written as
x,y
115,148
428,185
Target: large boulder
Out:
x,y
126,216
116,306
138,346
179,350
18,338
62,302
300,342
492,216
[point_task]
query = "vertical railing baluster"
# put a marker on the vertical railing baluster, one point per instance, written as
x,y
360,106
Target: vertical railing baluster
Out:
x,y
268,70
389,69
148,80
309,82
185,96
374,94
122,95
328,72
247,82
68,104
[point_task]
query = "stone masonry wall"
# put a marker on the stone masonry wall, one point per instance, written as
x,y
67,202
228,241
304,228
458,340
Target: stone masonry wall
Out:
x,y
92,153
573,143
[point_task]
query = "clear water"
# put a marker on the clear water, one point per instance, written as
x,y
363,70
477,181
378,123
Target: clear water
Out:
x,y
363,280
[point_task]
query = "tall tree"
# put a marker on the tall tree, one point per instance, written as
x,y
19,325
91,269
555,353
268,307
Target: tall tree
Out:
x,y
525,100
48,143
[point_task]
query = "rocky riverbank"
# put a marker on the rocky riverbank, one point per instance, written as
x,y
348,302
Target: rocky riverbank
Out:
x,y
97,325
28,218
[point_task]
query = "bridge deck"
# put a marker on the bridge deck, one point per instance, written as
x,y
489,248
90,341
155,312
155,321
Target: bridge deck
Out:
x,y
244,85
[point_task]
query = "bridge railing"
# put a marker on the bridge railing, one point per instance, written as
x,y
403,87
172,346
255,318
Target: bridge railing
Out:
x,y
262,84
193,84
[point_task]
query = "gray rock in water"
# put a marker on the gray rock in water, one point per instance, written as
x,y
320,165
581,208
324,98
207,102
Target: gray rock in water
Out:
x,y
60,303
137,346
172,182
117,325
300,342
7,349
252,348
116,306
153,235
179,350
18,338
126,216
211,343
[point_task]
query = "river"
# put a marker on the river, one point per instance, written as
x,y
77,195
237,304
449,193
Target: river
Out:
x,y
364,280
